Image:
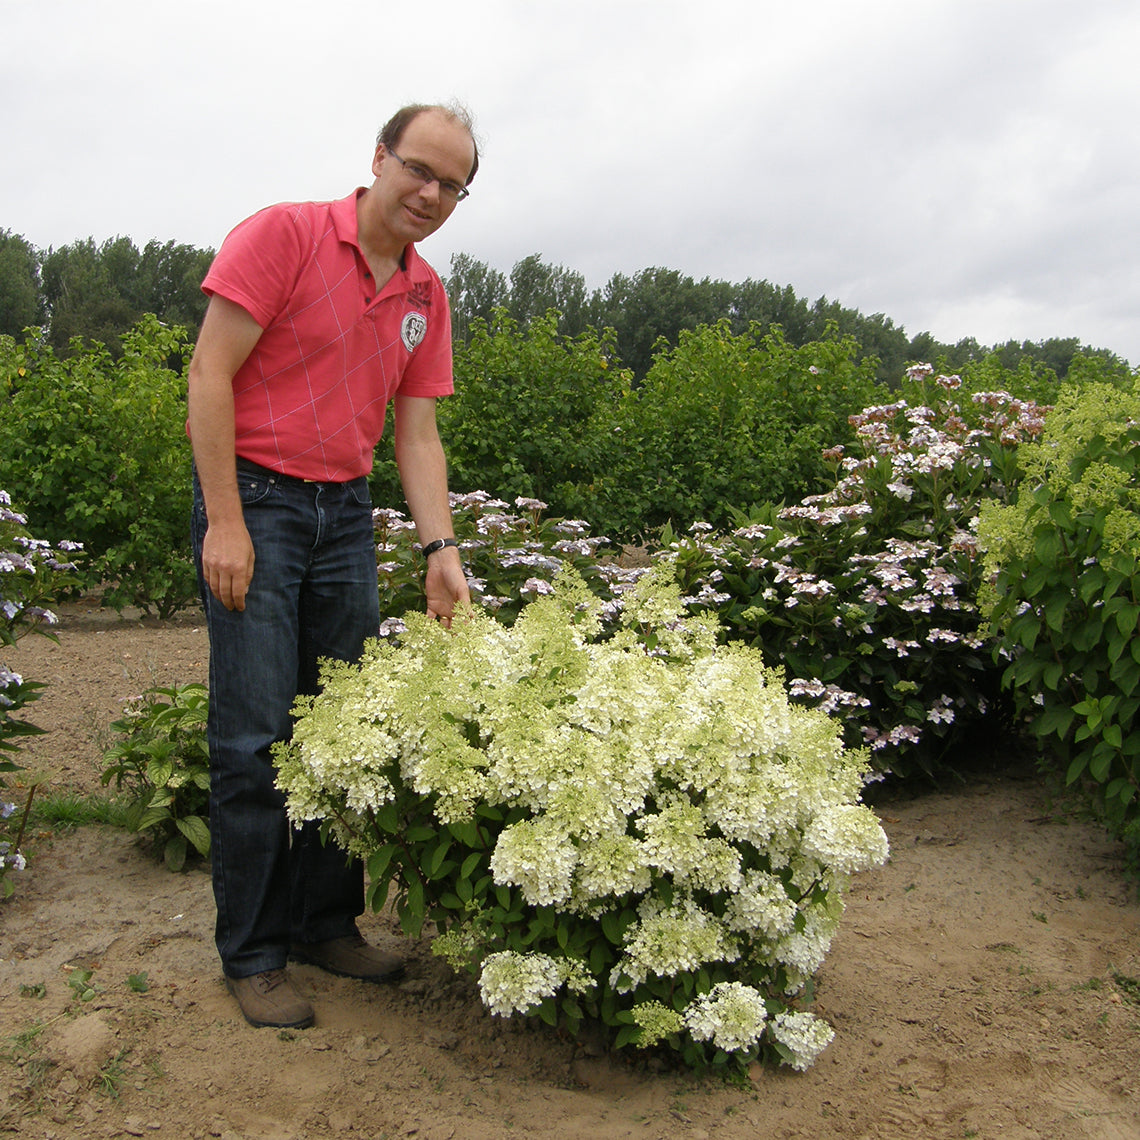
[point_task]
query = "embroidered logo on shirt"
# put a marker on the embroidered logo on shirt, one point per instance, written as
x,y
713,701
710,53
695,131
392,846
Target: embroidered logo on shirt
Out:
x,y
420,294
413,329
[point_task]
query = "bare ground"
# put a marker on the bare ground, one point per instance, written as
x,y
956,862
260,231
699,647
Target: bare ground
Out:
x,y
983,985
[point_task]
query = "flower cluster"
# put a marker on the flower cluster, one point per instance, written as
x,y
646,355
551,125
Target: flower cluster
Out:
x,y
511,556
32,573
866,594
803,1035
600,813
515,983
731,1015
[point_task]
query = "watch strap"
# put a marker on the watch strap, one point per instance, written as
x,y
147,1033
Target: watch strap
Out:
x,y
428,550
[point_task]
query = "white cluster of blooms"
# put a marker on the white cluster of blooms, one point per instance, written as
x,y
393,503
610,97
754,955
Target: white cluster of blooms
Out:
x,y
846,838
609,867
731,1015
510,982
516,983
656,1021
804,1035
803,951
670,940
761,906
676,844
536,856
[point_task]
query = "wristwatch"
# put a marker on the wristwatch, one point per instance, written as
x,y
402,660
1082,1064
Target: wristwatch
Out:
x,y
439,544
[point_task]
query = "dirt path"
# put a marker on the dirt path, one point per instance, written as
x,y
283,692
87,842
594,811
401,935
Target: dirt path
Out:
x,y
983,984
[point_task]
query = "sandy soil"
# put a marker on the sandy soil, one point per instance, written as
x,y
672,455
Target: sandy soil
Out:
x,y
983,985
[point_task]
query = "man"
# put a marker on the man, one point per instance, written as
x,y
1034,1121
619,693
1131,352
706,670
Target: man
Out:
x,y
320,313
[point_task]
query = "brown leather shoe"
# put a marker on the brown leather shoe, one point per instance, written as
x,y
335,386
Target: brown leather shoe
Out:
x,y
269,999
350,957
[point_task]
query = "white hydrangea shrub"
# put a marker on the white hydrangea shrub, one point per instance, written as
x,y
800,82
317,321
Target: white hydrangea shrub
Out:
x,y
651,783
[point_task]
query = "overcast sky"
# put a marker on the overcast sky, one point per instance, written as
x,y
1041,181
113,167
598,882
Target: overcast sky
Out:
x,y
967,167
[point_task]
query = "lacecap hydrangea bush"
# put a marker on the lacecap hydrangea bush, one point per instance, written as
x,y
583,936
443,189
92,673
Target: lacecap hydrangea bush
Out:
x,y
866,595
629,824
32,572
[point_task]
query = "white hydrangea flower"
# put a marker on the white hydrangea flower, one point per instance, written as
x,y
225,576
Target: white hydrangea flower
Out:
x,y
803,1034
515,983
656,1022
609,867
537,857
731,1015
668,941
803,951
676,844
847,838
761,906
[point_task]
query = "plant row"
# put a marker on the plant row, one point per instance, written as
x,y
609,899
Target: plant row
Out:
x,y
722,422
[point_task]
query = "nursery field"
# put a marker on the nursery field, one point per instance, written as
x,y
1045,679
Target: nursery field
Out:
x,y
984,983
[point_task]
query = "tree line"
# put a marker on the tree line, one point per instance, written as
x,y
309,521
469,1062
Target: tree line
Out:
x,y
98,291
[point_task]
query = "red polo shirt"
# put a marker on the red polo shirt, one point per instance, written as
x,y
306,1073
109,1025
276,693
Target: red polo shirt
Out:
x,y
311,399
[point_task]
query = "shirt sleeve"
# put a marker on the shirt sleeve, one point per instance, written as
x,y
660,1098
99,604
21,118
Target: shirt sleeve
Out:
x,y
258,263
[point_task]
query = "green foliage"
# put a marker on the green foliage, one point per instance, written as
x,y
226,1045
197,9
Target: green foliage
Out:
x,y
627,825
726,421
536,288
474,291
21,305
527,415
83,984
650,310
1029,380
66,810
105,461
97,292
1063,357
162,760
1065,595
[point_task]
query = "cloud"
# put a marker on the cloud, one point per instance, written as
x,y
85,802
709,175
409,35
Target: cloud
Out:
x,y
963,167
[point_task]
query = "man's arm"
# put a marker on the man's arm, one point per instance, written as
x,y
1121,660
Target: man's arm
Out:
x,y
227,338
423,474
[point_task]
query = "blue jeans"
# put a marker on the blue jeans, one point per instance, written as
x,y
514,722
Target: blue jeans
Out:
x,y
313,595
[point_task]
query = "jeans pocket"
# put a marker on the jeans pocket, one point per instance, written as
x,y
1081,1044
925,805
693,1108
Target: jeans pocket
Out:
x,y
253,486
357,491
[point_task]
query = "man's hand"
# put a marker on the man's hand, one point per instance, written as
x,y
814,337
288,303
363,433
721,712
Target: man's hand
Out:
x,y
445,585
227,564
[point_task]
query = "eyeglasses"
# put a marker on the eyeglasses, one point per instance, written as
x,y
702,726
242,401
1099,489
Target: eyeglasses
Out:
x,y
447,189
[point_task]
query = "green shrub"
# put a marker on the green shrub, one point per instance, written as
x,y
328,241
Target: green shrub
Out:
x,y
1030,379
528,416
1065,595
104,460
725,421
163,762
